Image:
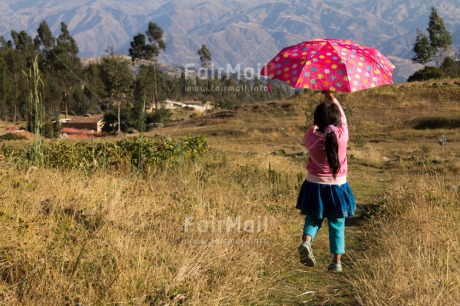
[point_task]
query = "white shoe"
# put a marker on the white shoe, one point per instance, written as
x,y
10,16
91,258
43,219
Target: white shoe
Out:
x,y
306,255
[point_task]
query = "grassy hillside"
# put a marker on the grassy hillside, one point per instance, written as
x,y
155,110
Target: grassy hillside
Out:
x,y
77,238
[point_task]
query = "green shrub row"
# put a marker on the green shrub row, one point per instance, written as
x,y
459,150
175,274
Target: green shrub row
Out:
x,y
144,154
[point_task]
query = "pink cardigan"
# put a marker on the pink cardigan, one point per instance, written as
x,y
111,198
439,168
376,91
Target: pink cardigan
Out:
x,y
317,164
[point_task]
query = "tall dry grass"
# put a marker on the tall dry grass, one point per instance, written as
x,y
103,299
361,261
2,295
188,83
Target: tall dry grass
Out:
x,y
413,247
70,238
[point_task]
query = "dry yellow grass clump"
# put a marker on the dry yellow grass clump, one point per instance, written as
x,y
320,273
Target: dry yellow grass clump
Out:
x,y
68,238
412,256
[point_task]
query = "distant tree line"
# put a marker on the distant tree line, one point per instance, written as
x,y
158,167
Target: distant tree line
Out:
x,y
436,47
113,86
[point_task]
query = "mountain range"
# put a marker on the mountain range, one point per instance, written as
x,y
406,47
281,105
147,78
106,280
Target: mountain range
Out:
x,y
242,32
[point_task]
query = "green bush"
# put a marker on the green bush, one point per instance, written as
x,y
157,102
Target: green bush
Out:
x,y
111,122
451,67
51,129
12,136
161,115
427,73
225,103
437,123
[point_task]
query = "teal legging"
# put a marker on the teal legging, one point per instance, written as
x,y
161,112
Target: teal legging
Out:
x,y
336,232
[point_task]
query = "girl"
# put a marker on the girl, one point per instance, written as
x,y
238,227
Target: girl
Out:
x,y
325,192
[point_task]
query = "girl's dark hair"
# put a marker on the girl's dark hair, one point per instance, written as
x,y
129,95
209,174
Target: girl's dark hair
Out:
x,y
329,114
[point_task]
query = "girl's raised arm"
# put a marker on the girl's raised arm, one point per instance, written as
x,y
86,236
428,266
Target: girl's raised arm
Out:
x,y
331,99
343,126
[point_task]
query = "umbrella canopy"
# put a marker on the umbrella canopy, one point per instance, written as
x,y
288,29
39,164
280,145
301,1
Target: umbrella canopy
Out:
x,y
330,64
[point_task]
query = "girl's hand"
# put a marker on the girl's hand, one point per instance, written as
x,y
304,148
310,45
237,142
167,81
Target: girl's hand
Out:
x,y
328,95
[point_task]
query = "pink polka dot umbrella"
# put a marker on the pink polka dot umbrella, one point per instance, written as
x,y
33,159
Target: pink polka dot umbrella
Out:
x,y
330,64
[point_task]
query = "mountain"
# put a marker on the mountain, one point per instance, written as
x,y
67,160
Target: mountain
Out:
x,y
241,32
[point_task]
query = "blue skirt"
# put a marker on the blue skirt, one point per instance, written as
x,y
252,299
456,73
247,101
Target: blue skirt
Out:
x,y
320,201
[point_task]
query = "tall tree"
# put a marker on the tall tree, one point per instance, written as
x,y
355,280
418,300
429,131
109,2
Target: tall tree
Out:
x,y
205,56
4,43
94,88
140,49
424,52
440,38
118,80
24,45
205,59
143,92
4,88
45,39
67,42
67,65
17,57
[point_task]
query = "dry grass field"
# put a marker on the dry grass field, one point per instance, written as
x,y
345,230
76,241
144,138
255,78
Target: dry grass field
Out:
x,y
223,230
